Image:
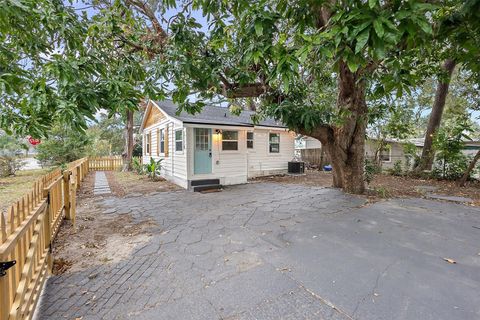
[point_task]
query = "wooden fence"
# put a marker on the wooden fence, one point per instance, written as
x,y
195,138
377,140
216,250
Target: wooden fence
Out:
x,y
314,157
105,163
26,233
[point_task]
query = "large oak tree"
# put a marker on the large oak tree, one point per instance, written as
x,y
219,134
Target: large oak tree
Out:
x,y
289,53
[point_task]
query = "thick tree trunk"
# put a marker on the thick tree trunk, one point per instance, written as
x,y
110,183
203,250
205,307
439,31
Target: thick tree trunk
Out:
x,y
465,176
428,154
345,144
127,162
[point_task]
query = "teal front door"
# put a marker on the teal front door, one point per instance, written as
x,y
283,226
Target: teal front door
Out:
x,y
203,151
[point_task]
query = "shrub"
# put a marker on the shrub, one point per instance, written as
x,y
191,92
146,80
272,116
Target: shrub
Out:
x,y
63,145
137,165
9,165
153,168
450,162
451,169
397,168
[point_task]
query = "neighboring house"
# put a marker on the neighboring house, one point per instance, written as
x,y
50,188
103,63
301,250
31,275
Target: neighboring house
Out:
x,y
310,150
388,155
470,147
214,144
306,142
392,152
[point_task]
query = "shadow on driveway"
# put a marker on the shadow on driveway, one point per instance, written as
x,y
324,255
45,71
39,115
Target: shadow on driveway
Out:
x,y
273,251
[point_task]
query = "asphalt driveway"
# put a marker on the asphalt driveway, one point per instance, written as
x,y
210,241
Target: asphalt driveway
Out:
x,y
273,251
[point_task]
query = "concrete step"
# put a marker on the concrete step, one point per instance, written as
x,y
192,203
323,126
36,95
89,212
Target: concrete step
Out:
x,y
204,182
207,187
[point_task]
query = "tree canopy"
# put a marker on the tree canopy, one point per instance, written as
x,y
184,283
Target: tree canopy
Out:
x,y
59,65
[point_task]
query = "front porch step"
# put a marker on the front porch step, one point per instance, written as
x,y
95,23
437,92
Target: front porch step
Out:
x,y
207,187
204,182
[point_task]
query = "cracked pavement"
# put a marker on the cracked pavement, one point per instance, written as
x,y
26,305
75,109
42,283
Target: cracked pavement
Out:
x,y
276,251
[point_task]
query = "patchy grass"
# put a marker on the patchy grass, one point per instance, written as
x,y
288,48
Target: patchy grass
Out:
x,y
14,187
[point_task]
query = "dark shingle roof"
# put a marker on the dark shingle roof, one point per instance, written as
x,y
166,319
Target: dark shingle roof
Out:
x,y
216,115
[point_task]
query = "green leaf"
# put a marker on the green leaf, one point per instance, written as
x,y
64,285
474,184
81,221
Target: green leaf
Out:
x,y
258,27
378,26
372,3
352,64
426,27
362,40
380,50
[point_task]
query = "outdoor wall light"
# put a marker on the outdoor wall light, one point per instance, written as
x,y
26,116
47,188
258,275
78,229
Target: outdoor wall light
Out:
x,y
218,131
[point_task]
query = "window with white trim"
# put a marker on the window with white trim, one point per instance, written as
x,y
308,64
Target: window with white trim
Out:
x,y
229,140
385,154
148,138
162,141
179,140
274,143
249,139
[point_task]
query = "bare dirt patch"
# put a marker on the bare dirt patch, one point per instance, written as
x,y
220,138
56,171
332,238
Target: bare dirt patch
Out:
x,y
311,178
124,183
386,186
97,238
100,238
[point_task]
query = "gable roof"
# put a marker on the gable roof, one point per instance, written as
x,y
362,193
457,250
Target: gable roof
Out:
x,y
216,115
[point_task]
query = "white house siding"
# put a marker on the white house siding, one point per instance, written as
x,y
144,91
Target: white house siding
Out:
x,y
174,166
396,153
227,166
312,143
308,143
261,162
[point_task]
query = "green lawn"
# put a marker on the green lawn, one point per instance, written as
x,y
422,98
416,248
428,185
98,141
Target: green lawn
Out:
x,y
14,187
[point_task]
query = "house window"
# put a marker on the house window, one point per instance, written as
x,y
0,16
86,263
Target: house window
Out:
x,y
274,143
148,138
249,140
385,154
162,141
179,140
229,140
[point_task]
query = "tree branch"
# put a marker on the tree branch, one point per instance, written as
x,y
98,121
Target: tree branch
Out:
x,y
323,132
144,9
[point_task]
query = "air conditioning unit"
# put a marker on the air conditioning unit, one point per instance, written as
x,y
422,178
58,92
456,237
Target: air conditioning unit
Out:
x,y
296,167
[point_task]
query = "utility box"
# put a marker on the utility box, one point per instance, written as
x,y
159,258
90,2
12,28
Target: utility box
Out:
x,y
296,167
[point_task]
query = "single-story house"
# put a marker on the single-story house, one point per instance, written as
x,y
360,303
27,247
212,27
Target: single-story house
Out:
x,y
393,151
470,147
306,142
309,150
213,147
